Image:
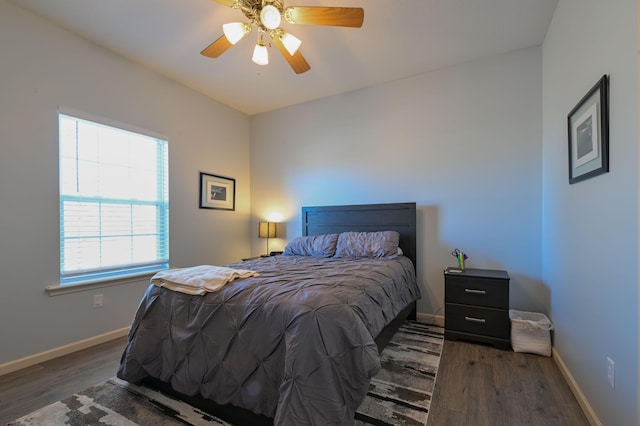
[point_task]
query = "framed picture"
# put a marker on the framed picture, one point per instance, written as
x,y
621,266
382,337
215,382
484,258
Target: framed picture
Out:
x,y
588,125
217,192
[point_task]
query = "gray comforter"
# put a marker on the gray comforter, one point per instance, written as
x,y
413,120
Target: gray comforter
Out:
x,y
295,343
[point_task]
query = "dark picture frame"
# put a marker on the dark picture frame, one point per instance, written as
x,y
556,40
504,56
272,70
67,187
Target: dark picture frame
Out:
x,y
588,126
217,192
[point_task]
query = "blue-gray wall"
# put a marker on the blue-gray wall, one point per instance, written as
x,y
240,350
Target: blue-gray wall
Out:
x,y
590,243
462,142
43,67
481,148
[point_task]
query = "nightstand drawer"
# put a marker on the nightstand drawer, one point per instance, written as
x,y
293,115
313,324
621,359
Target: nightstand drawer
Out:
x,y
475,320
479,292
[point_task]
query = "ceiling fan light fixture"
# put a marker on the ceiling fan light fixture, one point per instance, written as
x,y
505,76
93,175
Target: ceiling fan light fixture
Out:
x,y
290,42
234,31
267,15
270,17
260,54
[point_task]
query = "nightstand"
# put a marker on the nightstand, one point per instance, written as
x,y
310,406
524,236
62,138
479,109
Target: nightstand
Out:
x,y
251,258
477,306
260,257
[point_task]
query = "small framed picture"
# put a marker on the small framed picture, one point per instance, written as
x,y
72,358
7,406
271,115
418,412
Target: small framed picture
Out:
x,y
588,125
217,192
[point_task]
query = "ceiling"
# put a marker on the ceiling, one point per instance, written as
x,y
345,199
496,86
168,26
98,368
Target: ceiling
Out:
x,y
398,39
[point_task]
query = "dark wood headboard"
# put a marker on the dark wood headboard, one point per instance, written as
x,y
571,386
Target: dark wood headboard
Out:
x,y
400,217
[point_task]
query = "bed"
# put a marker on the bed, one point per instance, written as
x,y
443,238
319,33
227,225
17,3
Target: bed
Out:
x,y
296,344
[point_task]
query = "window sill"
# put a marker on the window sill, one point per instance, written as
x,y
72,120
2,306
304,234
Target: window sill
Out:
x,y
58,290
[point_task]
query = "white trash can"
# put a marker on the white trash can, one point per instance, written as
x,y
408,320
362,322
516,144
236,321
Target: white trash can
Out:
x,y
530,332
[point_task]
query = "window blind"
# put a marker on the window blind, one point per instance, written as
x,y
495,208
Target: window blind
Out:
x,y
114,202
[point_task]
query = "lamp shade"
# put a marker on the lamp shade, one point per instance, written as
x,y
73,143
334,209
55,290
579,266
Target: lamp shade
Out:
x,y
267,230
260,55
234,31
290,42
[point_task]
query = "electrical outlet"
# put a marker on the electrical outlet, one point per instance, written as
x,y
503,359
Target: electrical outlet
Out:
x,y
97,301
611,372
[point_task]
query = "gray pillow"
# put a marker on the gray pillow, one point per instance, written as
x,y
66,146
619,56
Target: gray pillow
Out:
x,y
368,244
313,245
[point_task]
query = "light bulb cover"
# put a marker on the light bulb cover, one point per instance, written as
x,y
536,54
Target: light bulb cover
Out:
x,y
260,54
270,17
234,31
290,42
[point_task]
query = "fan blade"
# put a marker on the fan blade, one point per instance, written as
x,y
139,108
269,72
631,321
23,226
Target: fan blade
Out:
x,y
217,48
334,16
229,3
296,61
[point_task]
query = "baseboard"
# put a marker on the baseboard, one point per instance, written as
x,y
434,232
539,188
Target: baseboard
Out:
x,y
589,413
434,319
31,360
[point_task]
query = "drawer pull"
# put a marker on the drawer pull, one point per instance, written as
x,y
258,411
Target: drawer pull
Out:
x,y
468,290
472,319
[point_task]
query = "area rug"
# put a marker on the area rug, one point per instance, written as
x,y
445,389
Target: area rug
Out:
x,y
400,394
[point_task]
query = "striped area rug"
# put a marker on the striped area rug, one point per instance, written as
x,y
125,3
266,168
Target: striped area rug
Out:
x,y
400,394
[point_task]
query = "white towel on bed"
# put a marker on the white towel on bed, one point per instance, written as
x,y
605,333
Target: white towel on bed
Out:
x,y
199,279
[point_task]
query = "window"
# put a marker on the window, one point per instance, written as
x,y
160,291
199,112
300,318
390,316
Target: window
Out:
x,y
114,203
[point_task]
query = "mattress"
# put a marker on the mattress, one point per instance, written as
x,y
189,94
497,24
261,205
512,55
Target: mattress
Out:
x,y
295,343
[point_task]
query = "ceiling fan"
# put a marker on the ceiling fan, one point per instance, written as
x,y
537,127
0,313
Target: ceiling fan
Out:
x,y
266,16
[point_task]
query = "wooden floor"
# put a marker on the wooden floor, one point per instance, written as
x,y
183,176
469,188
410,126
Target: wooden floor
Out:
x,y
479,385
26,390
476,385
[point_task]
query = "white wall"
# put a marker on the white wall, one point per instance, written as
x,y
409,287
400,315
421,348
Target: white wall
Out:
x,y
590,228
463,143
43,66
